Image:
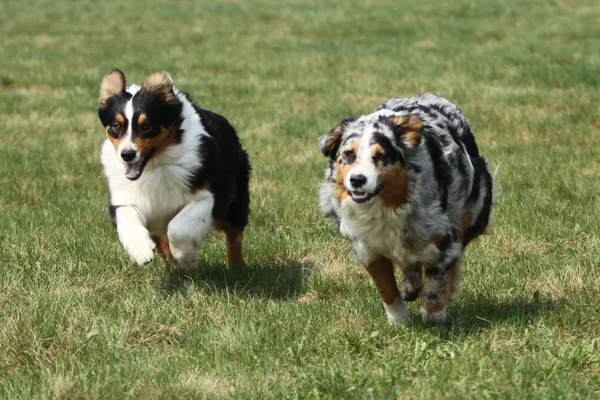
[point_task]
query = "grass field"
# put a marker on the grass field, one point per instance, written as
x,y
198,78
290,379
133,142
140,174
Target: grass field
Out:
x,y
303,320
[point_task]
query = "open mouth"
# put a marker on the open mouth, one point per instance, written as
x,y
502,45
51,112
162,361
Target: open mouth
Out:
x,y
134,170
363,197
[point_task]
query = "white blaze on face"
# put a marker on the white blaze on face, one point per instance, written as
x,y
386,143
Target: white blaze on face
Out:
x,y
127,142
363,166
135,166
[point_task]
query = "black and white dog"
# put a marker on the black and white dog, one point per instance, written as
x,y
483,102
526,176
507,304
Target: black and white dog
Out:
x,y
407,186
175,171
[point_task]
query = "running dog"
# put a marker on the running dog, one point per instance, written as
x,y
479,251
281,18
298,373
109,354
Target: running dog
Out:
x,y
408,187
175,171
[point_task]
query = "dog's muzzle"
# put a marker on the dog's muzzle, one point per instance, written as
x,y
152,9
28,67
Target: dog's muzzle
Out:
x,y
363,197
133,170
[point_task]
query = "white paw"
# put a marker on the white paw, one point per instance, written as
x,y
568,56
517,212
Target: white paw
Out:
x,y
437,318
397,313
140,248
184,254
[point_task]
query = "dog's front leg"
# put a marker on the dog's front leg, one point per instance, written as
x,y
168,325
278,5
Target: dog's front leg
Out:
x,y
381,270
131,227
189,228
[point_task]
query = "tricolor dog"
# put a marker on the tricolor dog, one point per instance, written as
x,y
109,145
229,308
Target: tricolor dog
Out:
x,y
175,171
408,187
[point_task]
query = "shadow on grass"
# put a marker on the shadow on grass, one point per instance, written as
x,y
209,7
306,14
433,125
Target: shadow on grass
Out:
x,y
275,280
475,315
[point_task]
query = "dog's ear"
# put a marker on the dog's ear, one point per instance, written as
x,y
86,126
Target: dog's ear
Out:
x,y
161,84
407,128
330,143
112,84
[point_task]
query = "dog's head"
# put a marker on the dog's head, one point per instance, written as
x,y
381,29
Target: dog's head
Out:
x,y
369,157
140,122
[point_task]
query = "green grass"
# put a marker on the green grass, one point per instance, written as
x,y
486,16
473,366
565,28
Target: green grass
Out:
x,y
78,320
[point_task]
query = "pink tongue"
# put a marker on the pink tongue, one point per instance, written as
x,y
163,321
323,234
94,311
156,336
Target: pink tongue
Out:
x,y
132,170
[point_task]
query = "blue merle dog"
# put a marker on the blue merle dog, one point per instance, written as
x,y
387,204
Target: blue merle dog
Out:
x,y
408,187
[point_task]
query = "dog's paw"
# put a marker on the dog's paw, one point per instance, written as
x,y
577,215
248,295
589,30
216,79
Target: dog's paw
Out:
x,y
397,313
410,287
184,255
140,249
437,318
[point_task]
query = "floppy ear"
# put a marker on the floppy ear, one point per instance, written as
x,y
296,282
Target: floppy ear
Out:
x,y
161,84
112,84
330,143
407,128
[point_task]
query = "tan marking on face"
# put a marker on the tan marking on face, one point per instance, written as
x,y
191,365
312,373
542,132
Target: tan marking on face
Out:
x,y
165,138
395,186
115,142
377,149
112,84
142,119
394,180
341,172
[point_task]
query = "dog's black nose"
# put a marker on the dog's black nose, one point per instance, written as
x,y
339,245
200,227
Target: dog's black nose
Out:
x,y
358,180
128,155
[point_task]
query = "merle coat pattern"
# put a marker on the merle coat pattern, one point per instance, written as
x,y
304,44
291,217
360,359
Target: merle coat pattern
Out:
x,y
407,186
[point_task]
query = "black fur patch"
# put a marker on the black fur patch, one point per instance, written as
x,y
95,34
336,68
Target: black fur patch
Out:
x,y
392,153
445,243
441,168
334,138
479,226
158,112
112,211
114,106
225,168
433,271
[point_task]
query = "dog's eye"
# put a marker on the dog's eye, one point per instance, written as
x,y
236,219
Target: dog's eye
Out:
x,y
116,127
146,128
348,157
379,157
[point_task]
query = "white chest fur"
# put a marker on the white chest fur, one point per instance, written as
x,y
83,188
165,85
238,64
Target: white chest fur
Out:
x,y
161,192
376,231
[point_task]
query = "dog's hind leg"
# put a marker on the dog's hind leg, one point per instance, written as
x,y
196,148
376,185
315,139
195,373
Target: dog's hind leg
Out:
x,y
410,287
237,215
236,221
234,240
440,284
382,272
